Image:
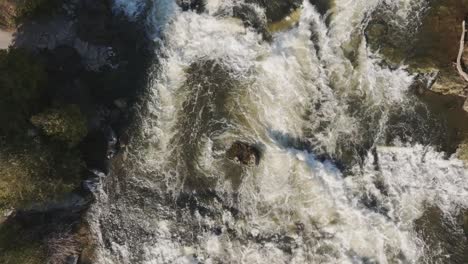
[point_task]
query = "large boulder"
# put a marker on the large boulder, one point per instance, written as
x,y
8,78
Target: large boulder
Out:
x,y
244,153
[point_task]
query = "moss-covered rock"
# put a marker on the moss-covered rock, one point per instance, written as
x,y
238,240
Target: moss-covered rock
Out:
x,y
66,124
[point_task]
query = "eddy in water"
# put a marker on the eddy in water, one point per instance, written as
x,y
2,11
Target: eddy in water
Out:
x,y
271,133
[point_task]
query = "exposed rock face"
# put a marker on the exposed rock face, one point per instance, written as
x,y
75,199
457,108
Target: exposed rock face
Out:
x,y
244,153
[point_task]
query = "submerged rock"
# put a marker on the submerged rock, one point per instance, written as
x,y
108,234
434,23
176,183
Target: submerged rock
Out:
x,y
196,5
322,5
244,153
276,10
252,18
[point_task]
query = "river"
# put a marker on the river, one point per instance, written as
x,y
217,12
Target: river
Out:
x,y
347,168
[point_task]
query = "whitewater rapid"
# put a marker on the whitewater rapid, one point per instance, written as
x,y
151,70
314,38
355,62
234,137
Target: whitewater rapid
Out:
x,y
314,98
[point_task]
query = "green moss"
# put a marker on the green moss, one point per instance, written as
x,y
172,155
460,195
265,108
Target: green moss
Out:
x,y
66,124
22,84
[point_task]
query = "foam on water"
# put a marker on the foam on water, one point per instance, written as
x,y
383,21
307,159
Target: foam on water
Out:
x,y
293,207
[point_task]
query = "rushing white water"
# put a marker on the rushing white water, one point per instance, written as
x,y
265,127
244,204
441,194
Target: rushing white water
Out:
x,y
219,82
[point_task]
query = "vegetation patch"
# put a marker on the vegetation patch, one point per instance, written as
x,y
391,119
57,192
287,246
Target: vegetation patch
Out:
x,y
35,172
14,12
20,246
23,82
66,124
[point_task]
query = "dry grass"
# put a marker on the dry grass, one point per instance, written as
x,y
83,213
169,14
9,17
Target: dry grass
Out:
x,y
61,246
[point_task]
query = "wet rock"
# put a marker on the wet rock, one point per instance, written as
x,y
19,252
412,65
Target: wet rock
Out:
x,y
95,148
424,79
244,153
195,5
71,260
120,103
429,43
252,18
322,5
276,10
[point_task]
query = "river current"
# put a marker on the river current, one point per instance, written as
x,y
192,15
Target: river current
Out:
x,y
347,168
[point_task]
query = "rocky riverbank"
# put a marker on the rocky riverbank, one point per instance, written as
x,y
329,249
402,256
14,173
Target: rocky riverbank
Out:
x,y
67,85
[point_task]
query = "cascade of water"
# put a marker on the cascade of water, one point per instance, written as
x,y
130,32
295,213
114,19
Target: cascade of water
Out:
x,y
315,89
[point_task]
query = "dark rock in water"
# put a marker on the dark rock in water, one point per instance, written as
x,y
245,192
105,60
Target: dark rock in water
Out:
x,y
322,5
195,5
251,18
71,260
244,153
424,80
277,10
98,148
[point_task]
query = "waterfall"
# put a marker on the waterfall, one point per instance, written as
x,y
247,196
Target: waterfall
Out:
x,y
314,98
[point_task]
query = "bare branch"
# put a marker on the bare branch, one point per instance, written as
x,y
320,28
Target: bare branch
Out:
x,y
460,54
